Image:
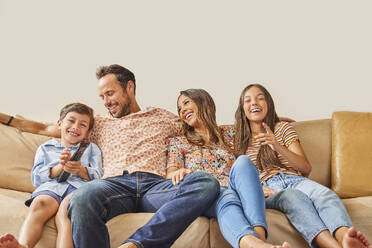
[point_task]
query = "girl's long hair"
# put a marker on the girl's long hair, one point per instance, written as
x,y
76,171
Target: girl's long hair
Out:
x,y
206,115
266,157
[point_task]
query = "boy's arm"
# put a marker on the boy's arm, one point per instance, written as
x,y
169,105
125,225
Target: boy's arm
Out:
x,y
31,126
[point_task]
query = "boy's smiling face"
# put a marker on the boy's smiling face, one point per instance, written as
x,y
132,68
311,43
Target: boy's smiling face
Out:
x,y
74,128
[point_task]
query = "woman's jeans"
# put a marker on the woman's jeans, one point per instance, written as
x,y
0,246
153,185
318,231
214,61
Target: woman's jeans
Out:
x,y
175,207
311,207
241,206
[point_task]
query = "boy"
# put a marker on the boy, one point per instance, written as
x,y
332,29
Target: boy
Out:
x,y
52,158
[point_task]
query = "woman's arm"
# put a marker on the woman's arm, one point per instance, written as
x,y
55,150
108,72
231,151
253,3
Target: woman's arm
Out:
x,y
32,126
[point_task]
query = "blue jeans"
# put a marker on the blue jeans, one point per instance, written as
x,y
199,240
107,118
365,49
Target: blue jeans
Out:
x,y
241,206
176,206
310,206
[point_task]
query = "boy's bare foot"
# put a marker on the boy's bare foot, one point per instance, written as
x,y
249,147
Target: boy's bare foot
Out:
x,y
9,241
355,239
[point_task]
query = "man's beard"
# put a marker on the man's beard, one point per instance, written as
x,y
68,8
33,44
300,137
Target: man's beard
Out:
x,y
125,110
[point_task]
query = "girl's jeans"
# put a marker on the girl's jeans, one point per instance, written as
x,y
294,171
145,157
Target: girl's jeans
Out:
x,y
310,206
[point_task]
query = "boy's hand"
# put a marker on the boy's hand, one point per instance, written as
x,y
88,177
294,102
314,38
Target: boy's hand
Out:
x,y
64,157
73,167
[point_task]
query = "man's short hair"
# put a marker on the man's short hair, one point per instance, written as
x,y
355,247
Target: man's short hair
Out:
x,y
123,75
78,108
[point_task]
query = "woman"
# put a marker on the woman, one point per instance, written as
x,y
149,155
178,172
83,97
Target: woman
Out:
x,y
315,211
240,208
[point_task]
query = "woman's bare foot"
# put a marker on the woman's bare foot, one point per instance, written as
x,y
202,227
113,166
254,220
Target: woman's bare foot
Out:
x,y
284,245
251,241
9,241
355,239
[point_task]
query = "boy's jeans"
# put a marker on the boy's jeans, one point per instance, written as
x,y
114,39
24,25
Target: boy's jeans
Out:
x,y
176,206
311,208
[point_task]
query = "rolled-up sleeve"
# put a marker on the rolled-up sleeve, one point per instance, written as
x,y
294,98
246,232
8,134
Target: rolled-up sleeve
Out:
x,y
40,173
175,157
94,167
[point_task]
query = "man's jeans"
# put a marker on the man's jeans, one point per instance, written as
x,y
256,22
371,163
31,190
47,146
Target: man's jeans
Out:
x,y
310,206
241,206
176,207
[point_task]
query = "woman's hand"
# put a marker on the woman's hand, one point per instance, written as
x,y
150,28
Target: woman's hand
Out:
x,y
268,191
267,138
178,175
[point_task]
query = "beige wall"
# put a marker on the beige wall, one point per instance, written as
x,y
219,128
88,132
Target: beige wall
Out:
x,y
314,56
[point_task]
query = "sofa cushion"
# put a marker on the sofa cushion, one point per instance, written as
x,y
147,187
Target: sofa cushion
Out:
x,y
315,138
352,154
17,151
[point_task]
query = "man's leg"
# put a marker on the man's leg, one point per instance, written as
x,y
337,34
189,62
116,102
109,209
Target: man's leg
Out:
x,y
96,202
176,206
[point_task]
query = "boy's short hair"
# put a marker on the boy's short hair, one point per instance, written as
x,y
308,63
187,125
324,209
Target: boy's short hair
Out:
x,y
78,108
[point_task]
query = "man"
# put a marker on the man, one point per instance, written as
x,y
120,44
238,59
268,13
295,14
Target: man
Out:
x,y
133,144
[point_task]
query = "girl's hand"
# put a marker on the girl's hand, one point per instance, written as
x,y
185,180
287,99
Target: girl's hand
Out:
x,y
267,138
178,175
268,191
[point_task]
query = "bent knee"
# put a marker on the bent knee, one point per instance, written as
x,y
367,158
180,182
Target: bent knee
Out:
x,y
243,162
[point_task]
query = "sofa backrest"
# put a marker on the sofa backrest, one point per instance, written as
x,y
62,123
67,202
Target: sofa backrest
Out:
x,y
316,140
17,151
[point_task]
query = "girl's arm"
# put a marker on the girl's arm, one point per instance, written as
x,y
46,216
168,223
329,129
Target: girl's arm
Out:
x,y
294,153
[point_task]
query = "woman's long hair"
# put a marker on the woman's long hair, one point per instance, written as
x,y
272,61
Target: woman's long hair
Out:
x,y
206,115
266,157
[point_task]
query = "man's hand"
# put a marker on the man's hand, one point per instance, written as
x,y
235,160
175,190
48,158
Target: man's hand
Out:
x,y
178,175
268,191
286,119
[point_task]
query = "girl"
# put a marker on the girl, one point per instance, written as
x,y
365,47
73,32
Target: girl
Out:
x,y
316,211
240,208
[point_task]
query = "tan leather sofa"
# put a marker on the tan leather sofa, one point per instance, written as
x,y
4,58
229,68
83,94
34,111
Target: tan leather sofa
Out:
x,y
339,149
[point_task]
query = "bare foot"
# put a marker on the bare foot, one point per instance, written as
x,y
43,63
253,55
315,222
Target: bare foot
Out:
x,y
284,245
355,239
126,245
9,241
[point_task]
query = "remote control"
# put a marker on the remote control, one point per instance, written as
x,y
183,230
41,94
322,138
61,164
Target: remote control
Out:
x,y
77,155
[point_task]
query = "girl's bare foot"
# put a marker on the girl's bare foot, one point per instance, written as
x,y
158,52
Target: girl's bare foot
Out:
x,y
9,241
355,239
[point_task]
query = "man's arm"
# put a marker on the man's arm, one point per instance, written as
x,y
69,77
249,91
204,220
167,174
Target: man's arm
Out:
x,y
32,126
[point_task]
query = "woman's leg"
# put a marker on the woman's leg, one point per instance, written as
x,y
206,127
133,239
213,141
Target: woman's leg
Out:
x,y
42,208
64,234
233,224
244,180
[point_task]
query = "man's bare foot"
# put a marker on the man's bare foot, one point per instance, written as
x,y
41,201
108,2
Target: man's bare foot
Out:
x,y
9,241
355,239
126,245
284,245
